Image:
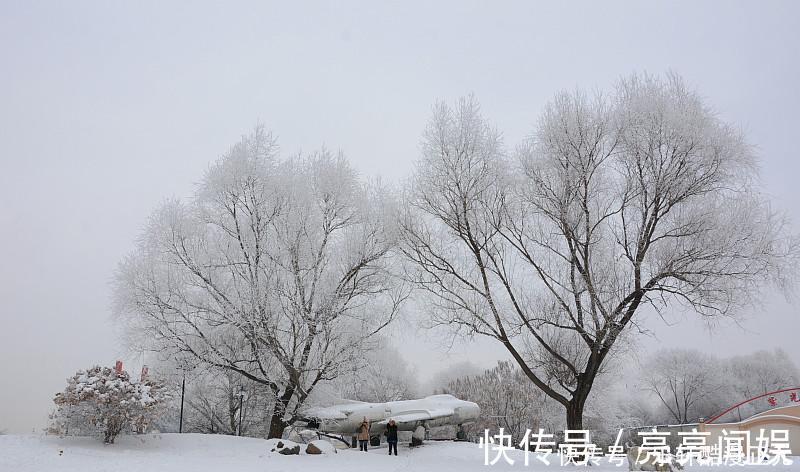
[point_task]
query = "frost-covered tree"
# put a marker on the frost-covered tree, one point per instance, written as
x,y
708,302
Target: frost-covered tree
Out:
x,y
106,401
761,372
277,270
644,199
749,375
213,402
688,383
383,377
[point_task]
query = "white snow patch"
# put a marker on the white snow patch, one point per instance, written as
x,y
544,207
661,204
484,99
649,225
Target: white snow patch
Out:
x,y
215,453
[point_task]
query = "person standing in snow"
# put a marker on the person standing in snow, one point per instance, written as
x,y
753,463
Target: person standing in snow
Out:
x,y
391,436
363,435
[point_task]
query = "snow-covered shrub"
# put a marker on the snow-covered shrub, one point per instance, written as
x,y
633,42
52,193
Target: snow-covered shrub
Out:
x,y
105,401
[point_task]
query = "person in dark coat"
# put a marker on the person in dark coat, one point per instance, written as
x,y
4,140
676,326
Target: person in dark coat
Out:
x,y
391,436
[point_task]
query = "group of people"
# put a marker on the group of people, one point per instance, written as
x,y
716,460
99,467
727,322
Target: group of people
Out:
x,y
391,435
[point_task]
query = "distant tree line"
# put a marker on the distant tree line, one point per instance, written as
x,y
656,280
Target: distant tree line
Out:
x,y
689,385
671,386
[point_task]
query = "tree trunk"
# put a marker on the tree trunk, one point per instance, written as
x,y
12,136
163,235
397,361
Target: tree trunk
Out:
x,y
575,419
111,434
232,407
277,423
575,413
276,426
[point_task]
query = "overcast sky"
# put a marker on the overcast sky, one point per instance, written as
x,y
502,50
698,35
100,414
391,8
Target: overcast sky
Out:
x,y
107,108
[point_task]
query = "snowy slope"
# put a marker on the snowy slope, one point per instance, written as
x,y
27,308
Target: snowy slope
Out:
x,y
200,453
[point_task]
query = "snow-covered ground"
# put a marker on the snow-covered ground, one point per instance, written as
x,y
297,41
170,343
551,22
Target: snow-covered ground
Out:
x,y
198,453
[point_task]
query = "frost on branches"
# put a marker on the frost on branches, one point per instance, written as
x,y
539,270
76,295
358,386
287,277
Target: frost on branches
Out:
x,y
105,401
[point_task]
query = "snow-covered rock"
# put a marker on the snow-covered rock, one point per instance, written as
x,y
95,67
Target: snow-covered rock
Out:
x,y
290,450
320,447
283,446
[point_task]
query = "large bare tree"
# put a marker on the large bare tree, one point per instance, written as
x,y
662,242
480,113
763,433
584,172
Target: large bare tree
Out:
x,y
643,199
278,270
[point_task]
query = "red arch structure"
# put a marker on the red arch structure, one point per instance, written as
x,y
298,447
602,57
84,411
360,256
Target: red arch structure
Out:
x,y
794,398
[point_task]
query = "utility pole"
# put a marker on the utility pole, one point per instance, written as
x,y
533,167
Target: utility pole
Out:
x,y
241,398
183,391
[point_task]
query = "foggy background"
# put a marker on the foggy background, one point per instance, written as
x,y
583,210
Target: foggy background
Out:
x,y
107,108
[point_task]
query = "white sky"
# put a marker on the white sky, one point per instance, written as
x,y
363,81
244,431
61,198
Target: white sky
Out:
x,y
108,107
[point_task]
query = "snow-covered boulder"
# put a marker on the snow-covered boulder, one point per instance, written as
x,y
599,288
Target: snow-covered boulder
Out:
x,y
312,449
290,451
320,447
283,446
